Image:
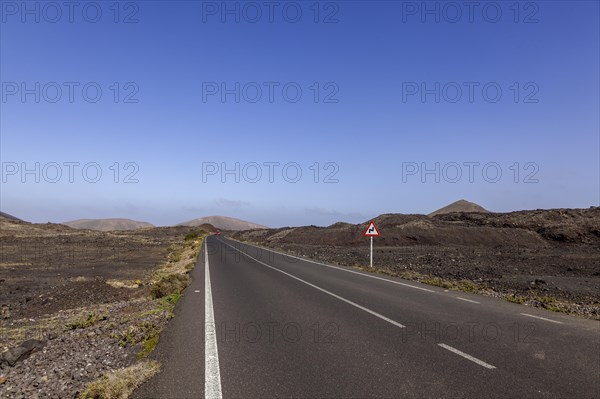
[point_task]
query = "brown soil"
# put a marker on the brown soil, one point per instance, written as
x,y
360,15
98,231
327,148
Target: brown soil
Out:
x,y
45,268
85,296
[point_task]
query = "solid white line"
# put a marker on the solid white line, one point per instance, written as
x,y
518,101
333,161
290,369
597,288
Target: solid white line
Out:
x,y
468,300
339,268
212,375
471,358
542,318
323,290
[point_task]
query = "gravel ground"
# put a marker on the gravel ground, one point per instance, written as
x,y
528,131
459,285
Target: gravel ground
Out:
x,y
77,304
70,359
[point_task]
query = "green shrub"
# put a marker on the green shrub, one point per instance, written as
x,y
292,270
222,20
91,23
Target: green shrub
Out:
x,y
171,300
170,284
149,345
85,322
175,256
191,236
438,282
127,337
515,299
194,235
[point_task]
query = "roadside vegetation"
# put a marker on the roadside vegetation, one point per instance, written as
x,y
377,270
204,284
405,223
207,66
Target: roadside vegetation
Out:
x,y
86,321
166,285
531,298
100,306
455,285
121,383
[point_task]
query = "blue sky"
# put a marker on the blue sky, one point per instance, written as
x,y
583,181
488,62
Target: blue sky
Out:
x,y
365,124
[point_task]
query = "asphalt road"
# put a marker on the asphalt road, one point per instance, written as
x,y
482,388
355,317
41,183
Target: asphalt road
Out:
x,y
259,324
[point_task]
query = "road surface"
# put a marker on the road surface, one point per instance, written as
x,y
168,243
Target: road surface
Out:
x,y
259,324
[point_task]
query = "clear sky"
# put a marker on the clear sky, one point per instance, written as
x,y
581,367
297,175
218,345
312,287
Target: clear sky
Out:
x,y
389,89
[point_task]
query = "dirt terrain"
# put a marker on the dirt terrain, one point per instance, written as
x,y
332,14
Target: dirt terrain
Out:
x,y
545,258
76,304
48,267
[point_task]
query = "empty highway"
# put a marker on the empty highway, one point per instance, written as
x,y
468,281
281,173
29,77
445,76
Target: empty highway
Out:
x,y
259,324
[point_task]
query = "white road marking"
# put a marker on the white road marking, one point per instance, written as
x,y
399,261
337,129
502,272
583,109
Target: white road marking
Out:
x,y
212,378
196,290
466,356
339,268
324,290
468,300
542,318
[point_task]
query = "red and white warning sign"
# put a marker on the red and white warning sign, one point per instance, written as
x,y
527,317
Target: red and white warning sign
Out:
x,y
371,231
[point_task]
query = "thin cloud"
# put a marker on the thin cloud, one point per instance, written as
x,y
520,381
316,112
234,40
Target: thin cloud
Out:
x,y
232,203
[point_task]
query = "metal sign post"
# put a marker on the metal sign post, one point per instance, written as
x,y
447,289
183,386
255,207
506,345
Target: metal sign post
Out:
x,y
371,231
371,264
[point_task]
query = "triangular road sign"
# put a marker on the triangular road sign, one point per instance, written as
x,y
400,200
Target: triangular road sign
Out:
x,y
371,231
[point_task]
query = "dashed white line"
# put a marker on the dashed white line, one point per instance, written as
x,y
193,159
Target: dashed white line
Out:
x,y
323,290
542,318
467,300
447,347
212,375
339,268
466,356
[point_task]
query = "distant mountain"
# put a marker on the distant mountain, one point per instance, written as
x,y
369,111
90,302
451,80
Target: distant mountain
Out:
x,y
9,217
459,206
107,224
224,223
